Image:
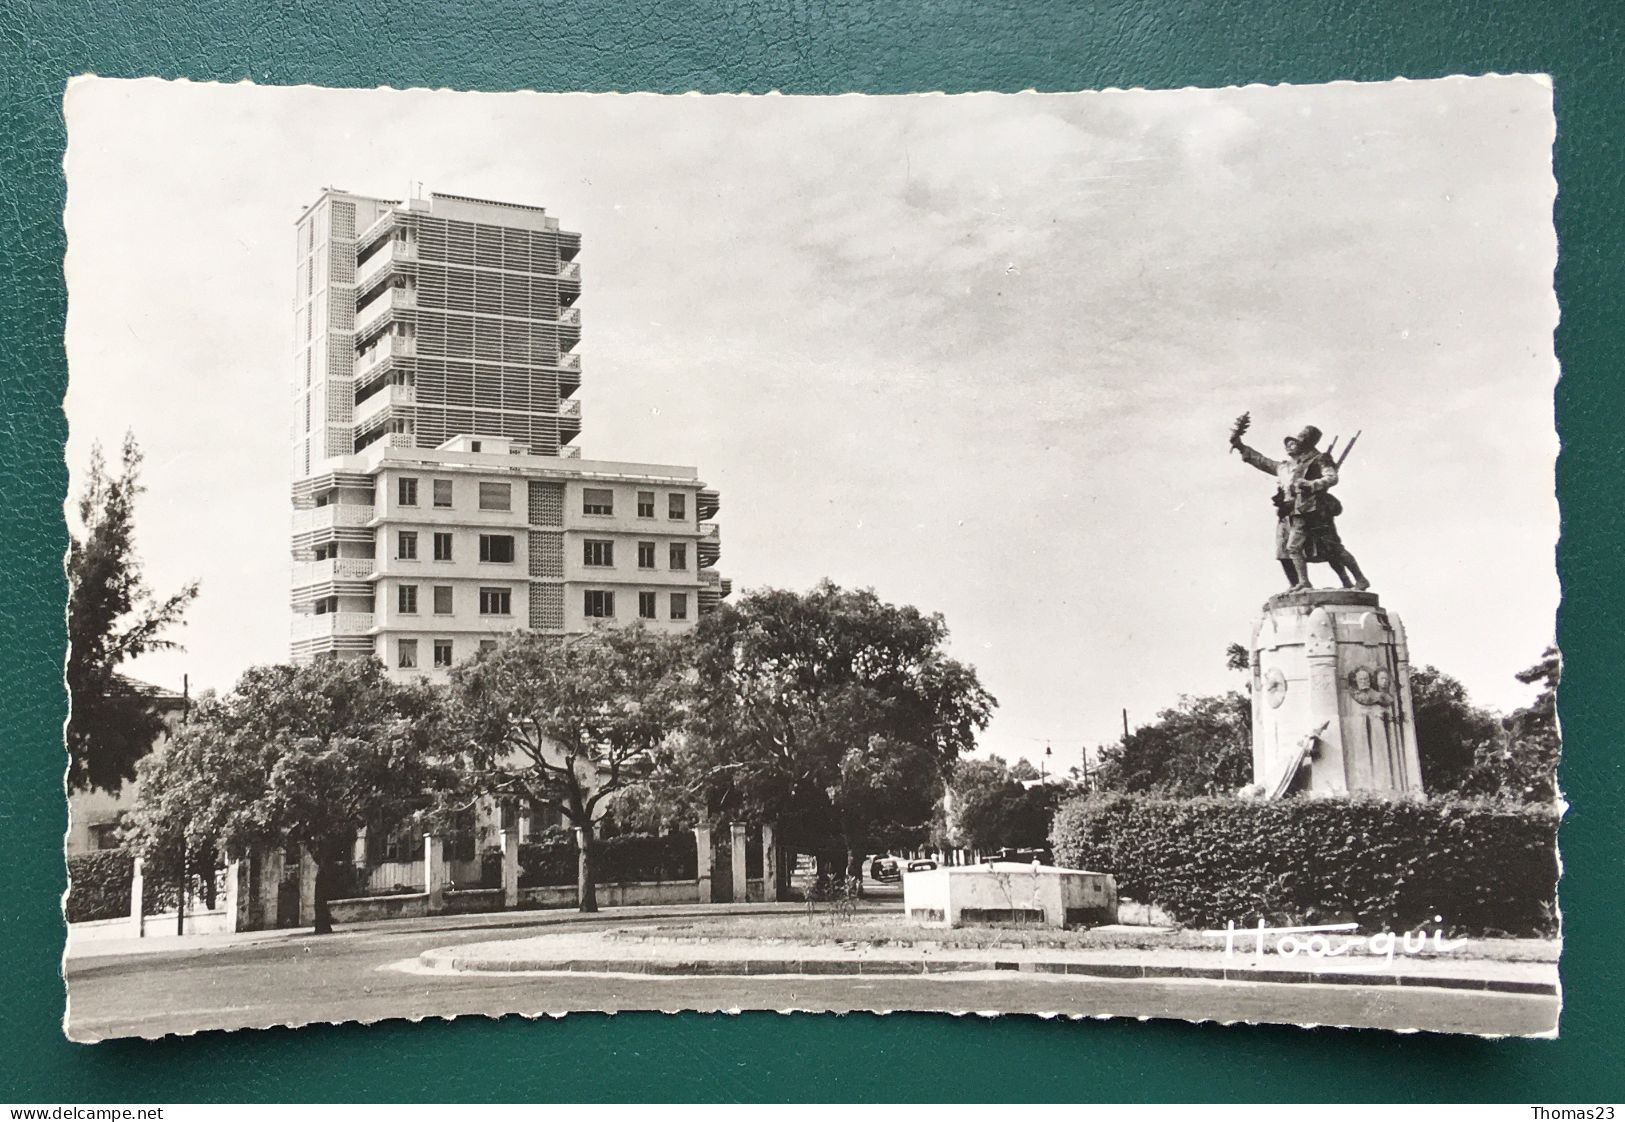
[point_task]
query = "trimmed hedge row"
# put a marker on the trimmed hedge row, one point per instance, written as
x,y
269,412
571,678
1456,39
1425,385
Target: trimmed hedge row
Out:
x,y
1391,865
551,862
99,885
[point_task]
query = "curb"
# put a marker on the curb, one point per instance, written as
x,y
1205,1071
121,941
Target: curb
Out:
x,y
829,967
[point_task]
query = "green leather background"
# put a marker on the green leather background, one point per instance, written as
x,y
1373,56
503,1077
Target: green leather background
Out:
x,y
824,47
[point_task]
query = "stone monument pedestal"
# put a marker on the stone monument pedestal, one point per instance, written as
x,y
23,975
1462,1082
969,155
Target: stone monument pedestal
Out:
x,y
1332,658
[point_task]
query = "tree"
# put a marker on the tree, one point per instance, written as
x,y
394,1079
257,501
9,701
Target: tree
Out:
x,y
112,618
1202,746
992,808
831,713
1022,770
567,722
1451,732
304,755
1521,764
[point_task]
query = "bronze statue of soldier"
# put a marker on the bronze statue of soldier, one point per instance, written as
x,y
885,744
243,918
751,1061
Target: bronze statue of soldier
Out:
x,y
1306,510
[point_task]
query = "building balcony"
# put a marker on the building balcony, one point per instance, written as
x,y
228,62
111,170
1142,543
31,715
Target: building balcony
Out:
x,y
571,409
370,318
570,362
709,548
570,317
381,402
569,245
379,351
394,252
331,517
570,271
569,453
707,503
328,625
334,570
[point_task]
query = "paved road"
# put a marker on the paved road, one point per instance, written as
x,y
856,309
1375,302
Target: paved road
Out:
x,y
349,976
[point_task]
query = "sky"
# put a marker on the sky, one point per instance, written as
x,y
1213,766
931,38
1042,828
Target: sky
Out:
x,y
980,353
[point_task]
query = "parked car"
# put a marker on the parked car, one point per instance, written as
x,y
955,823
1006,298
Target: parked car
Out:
x,y
921,865
885,870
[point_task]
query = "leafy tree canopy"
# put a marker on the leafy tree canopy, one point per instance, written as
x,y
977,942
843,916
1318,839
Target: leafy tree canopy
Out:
x,y
112,618
304,755
569,721
992,808
831,712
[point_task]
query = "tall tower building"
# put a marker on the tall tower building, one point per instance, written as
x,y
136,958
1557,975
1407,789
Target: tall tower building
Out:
x,y
438,499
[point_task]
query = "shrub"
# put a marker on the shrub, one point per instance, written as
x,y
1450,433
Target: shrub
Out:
x,y
551,861
1486,868
99,884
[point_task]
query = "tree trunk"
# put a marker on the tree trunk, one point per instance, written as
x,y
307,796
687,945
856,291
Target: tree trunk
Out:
x,y
586,890
854,871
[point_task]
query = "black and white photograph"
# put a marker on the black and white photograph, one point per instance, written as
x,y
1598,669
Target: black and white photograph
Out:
x,y
1073,554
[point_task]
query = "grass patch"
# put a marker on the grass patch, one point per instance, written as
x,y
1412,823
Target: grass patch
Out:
x,y
891,931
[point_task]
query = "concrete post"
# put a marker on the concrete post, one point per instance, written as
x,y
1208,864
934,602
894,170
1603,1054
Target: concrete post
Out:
x,y
770,864
702,853
270,888
741,885
510,865
307,888
358,853
434,872
137,892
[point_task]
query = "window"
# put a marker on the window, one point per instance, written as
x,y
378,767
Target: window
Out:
x,y
442,653
595,500
646,504
679,555
599,554
496,547
442,547
679,605
406,545
406,598
105,835
646,605
496,602
599,604
442,599
406,492
495,496
677,506
406,654
487,645
473,446
646,555
442,492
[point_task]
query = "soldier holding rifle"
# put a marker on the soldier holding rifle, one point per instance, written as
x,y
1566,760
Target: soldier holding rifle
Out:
x,y
1306,511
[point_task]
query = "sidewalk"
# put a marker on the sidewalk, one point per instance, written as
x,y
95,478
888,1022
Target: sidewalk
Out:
x,y
104,947
601,952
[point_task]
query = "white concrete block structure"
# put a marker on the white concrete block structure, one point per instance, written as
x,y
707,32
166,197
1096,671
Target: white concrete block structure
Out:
x,y
438,500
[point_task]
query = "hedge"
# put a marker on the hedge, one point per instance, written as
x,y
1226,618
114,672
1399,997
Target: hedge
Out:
x,y
1389,865
99,884
551,861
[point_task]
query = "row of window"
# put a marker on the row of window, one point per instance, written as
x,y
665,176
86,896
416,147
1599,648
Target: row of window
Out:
x,y
596,603
495,548
493,601
406,652
601,554
600,604
601,500
493,496
499,549
499,496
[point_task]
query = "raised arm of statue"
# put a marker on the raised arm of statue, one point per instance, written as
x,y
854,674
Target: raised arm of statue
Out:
x,y
1256,458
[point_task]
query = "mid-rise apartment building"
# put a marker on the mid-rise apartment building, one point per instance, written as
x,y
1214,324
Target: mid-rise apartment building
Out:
x,y
439,502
